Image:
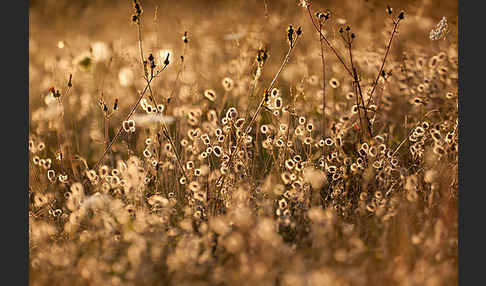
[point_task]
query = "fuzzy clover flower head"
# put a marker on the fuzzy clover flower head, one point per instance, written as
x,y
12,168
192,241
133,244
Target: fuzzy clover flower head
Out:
x,y
304,3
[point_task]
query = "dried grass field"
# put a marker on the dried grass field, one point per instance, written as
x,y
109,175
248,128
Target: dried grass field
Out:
x,y
243,142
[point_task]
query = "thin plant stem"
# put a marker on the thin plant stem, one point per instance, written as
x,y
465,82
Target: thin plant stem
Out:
x,y
368,124
179,73
359,93
139,25
259,108
75,173
323,83
289,123
129,115
328,43
164,125
384,60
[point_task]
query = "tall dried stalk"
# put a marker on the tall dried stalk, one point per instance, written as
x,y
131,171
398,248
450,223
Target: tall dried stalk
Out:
x,y
64,130
323,82
129,115
396,22
220,180
352,71
328,43
152,97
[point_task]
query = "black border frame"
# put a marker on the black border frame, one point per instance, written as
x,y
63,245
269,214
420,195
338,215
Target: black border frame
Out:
x,y
16,120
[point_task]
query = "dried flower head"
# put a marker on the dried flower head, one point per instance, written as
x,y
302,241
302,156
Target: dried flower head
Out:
x,y
304,3
334,82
